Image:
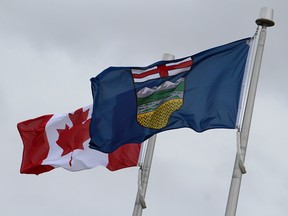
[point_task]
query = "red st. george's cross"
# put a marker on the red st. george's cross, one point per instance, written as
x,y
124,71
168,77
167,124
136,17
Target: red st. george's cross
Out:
x,y
165,70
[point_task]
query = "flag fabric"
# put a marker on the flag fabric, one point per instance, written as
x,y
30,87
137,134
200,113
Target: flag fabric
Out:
x,y
52,141
200,92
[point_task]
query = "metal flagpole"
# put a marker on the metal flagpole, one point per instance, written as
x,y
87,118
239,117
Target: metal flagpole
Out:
x,y
265,20
144,169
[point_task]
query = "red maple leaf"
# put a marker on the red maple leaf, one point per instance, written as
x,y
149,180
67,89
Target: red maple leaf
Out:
x,y
74,137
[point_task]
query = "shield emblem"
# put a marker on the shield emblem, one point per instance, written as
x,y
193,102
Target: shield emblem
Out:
x,y
160,92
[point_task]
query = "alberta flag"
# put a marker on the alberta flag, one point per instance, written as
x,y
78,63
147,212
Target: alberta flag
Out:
x,y
52,141
200,92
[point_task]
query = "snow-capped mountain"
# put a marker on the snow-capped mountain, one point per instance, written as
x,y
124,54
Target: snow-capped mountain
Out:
x,y
145,92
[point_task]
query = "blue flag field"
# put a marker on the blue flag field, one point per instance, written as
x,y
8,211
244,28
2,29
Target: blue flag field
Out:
x,y
200,92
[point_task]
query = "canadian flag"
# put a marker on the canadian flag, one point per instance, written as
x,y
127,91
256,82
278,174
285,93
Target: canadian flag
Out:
x,y
52,141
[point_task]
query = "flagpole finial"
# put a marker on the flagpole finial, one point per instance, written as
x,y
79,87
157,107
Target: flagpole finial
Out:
x,y
167,56
265,17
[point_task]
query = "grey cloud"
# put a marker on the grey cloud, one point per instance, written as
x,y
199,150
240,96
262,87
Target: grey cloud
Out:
x,y
50,49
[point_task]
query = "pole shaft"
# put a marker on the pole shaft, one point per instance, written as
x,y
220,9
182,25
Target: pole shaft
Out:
x,y
145,175
147,163
244,134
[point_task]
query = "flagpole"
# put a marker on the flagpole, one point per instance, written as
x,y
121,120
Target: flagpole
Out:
x,y
265,20
144,170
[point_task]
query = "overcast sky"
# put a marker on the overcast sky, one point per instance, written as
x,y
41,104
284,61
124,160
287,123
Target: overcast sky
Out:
x,y
49,50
